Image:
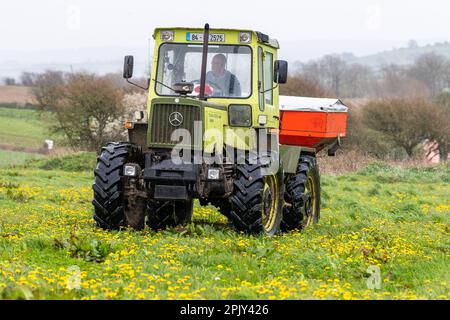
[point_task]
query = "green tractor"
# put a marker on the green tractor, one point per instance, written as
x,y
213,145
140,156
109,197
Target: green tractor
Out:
x,y
212,133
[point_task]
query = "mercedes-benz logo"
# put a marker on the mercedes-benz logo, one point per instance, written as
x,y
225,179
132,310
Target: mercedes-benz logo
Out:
x,y
176,119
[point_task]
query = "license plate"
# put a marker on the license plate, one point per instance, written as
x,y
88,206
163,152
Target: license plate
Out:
x,y
213,37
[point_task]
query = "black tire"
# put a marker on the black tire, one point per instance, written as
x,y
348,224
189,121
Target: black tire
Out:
x,y
163,214
303,204
108,187
223,206
247,202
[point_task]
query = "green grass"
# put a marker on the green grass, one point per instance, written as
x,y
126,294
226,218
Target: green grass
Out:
x,y
12,158
81,161
24,128
395,219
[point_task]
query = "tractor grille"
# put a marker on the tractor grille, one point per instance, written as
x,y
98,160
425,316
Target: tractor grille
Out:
x,y
162,129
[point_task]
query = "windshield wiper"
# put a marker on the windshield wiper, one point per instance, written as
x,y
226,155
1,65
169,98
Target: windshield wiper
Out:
x,y
170,88
164,85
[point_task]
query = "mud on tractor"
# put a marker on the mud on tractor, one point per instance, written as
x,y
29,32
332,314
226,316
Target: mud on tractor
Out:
x,y
217,130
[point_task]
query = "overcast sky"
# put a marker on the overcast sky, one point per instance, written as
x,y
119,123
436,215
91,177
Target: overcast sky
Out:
x,y
65,30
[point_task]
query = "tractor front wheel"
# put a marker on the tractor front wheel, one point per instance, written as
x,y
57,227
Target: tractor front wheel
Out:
x,y
109,201
302,196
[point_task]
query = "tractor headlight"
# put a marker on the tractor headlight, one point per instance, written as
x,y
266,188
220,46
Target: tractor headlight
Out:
x,y
130,171
167,35
213,174
240,115
245,37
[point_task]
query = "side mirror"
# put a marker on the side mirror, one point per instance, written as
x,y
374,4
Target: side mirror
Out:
x,y
128,67
281,71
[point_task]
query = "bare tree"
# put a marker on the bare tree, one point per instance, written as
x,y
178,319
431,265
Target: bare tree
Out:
x,y
312,72
47,89
395,82
357,81
9,81
333,68
327,72
433,70
412,44
443,100
302,86
28,79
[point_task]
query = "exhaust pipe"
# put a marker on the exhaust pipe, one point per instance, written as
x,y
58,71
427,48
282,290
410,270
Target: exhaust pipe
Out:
x,y
204,61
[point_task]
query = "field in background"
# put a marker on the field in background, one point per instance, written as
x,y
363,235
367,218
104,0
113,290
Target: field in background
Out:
x,y
24,129
391,220
18,95
347,161
22,134
14,158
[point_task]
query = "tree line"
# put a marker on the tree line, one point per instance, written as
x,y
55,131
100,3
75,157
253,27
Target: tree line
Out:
x,y
428,76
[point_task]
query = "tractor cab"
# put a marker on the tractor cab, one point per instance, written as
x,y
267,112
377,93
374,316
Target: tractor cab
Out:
x,y
239,63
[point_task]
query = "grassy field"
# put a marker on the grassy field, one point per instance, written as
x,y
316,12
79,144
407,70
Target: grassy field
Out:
x,y
13,158
23,128
393,219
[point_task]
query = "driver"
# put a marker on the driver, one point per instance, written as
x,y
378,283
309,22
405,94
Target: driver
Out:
x,y
221,77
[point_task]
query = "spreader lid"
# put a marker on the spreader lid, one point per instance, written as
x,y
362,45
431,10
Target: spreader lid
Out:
x,y
288,103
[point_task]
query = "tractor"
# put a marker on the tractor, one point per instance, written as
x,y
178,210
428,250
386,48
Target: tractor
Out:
x,y
217,130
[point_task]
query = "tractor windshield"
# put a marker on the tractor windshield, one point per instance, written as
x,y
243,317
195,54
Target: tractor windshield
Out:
x,y
228,75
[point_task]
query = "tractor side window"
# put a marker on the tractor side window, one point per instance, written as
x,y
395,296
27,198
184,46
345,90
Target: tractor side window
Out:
x,y
261,78
268,78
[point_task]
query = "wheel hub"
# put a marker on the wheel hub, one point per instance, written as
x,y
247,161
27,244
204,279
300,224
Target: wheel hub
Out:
x,y
269,203
308,201
267,199
308,205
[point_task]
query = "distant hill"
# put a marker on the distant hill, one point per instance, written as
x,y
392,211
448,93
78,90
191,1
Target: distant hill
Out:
x,y
400,56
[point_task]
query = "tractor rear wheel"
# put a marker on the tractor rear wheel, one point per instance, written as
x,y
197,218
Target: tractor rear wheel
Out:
x,y
302,196
163,214
109,203
256,202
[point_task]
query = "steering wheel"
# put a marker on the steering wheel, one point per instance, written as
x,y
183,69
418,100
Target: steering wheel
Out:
x,y
214,88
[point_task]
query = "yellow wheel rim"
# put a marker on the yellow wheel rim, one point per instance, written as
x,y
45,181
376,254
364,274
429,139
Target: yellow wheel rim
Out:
x,y
270,202
310,204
